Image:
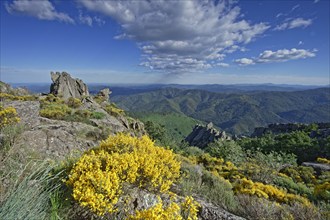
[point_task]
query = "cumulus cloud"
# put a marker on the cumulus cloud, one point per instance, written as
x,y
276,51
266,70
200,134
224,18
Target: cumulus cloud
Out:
x,y
180,36
283,55
244,61
43,10
294,23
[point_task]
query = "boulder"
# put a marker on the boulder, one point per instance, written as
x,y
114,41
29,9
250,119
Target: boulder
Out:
x,y
201,135
27,111
65,86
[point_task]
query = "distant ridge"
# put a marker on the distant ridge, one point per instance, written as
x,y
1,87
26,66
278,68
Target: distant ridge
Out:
x,y
235,113
130,89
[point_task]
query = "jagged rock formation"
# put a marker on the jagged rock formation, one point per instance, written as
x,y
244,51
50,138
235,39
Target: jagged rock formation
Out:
x,y
65,86
323,129
105,94
201,136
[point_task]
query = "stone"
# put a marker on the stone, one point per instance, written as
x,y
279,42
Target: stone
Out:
x,y
201,135
65,86
27,111
318,167
208,211
105,94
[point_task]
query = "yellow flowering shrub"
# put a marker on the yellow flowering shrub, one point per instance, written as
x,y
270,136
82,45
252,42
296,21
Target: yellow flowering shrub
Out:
x,y
323,160
112,109
270,192
158,212
6,96
55,111
73,102
187,210
8,116
97,178
322,191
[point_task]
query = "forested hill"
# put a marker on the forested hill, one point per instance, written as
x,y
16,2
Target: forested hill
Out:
x,y
236,113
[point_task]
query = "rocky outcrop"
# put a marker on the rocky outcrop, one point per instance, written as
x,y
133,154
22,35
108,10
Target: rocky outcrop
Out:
x,y
201,135
208,211
318,167
6,88
104,94
65,86
323,129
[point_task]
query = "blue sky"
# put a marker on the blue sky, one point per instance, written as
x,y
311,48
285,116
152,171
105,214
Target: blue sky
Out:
x,y
187,42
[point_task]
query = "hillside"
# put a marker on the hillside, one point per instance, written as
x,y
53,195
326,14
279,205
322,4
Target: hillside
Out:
x,y
70,155
235,113
175,127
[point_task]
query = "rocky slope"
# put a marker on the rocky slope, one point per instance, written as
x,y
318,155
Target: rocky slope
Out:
x,y
43,138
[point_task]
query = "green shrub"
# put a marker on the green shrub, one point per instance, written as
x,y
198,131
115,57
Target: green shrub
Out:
x,y
255,208
55,111
228,150
292,187
112,109
97,115
192,151
196,180
73,102
10,134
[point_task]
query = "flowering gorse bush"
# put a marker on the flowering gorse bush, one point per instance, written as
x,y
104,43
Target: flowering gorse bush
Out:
x,y
270,192
97,178
6,96
187,210
323,160
8,116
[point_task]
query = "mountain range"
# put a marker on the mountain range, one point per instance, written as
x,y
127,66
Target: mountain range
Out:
x,y
237,113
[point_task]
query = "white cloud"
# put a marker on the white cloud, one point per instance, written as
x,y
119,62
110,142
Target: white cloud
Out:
x,y
295,7
180,36
244,61
43,10
223,64
88,20
294,23
300,43
283,55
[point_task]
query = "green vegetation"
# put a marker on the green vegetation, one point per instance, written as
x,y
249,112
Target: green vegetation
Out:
x,y
29,198
297,142
256,178
235,113
167,128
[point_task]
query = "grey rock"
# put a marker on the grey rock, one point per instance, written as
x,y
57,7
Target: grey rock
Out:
x,y
318,167
105,94
28,111
201,136
208,211
56,139
65,86
6,88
